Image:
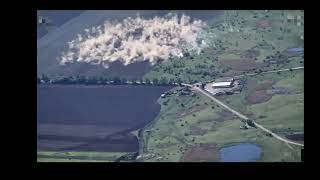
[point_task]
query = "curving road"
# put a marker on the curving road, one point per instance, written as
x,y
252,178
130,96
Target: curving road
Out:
x,y
243,116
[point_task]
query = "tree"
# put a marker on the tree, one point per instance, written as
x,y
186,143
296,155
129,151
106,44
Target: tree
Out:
x,y
92,80
155,81
171,81
163,81
291,69
147,80
82,79
116,80
123,80
179,81
45,78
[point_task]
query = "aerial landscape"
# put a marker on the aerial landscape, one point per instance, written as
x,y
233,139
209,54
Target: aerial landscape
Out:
x,y
170,85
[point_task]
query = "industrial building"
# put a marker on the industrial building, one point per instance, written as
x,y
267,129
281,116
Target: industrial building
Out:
x,y
223,83
223,86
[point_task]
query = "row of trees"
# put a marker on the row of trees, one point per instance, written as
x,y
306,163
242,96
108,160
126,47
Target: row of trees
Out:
x,y
92,80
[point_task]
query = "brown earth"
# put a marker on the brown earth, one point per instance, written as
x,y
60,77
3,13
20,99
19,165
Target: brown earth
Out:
x,y
206,152
263,23
242,64
250,54
195,130
191,110
224,115
257,93
264,85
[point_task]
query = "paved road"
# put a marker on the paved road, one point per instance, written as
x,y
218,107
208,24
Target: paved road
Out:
x,y
243,116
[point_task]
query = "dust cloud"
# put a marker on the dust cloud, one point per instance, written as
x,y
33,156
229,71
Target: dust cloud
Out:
x,y
136,39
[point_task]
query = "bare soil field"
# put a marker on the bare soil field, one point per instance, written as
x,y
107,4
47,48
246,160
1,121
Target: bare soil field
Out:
x,y
206,152
191,110
263,23
242,64
257,93
224,115
296,137
196,130
250,54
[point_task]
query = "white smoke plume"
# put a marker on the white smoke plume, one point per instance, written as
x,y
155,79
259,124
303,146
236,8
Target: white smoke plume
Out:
x,y
136,39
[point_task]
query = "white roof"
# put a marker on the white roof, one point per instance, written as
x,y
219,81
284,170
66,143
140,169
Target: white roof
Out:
x,y
221,84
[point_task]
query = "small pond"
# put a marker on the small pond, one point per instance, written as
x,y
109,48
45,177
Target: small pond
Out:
x,y
240,153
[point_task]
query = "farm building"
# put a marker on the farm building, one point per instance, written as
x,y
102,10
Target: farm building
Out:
x,y
41,20
226,84
223,83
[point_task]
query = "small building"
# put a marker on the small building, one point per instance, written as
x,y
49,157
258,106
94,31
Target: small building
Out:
x,y
272,61
299,17
227,84
41,20
290,18
198,84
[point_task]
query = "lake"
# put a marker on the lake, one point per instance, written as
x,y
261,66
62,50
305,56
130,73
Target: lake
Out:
x,y
94,118
240,153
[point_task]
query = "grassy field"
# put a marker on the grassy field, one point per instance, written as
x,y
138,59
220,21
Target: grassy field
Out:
x,y
53,156
169,137
284,111
233,34
268,34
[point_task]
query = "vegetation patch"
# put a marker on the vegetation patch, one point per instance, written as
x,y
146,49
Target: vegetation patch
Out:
x,y
201,153
257,93
242,64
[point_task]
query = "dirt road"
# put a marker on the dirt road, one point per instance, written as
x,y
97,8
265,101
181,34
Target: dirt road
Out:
x,y
244,117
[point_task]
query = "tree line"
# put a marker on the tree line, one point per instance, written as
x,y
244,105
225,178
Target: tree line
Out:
x,y
93,80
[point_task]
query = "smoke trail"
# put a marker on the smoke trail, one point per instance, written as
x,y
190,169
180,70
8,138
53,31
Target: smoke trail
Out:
x,y
136,39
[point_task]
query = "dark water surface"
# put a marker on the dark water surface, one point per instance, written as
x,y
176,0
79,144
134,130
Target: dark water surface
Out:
x,y
57,18
93,118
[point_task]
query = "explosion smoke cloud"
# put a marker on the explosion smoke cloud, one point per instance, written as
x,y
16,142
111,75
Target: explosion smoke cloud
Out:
x,y
136,39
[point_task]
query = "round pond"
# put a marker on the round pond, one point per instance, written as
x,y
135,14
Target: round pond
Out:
x,y
240,153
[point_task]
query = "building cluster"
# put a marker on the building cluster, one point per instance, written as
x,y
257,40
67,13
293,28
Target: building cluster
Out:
x,y
179,92
224,86
295,19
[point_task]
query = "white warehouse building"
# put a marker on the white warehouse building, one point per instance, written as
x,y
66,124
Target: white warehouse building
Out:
x,y
222,84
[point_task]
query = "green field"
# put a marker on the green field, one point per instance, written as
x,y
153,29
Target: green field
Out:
x,y
231,36
166,137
